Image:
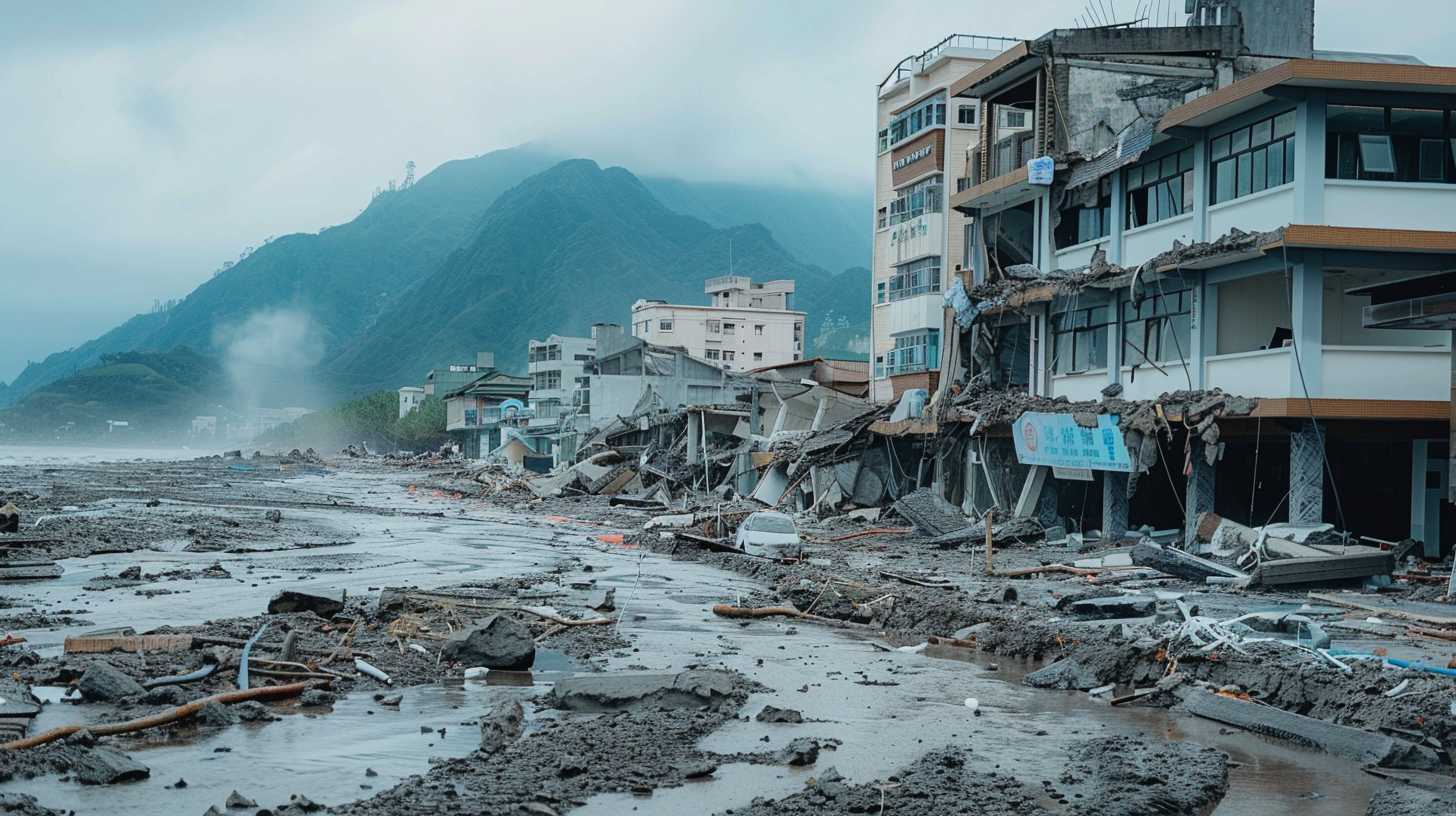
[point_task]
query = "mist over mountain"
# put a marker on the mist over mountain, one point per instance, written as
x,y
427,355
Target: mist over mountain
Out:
x,y
484,253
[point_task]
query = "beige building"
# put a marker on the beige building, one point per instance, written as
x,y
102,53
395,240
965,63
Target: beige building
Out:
x,y
746,325
922,148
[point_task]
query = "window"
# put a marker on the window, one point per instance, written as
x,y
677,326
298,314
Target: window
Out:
x,y
1012,118
882,217
880,292
916,200
728,328
1157,329
1389,144
758,329
1253,158
729,355
915,278
884,140
966,114
715,327
1079,339
927,114
582,358
914,351
1081,222
798,333
758,356
546,380
1159,189
664,325
879,366
712,354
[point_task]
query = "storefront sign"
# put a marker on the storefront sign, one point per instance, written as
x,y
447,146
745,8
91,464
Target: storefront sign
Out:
x,y
1056,440
911,158
1041,171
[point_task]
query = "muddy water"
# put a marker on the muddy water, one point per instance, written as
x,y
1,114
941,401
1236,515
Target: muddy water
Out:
x,y
886,708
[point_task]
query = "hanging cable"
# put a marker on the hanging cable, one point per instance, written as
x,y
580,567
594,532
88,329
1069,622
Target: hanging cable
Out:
x,y
1309,402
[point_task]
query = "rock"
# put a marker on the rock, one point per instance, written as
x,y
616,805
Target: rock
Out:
x,y
166,695
604,601
238,801
569,766
772,714
1121,606
107,766
389,700
216,715
802,751
253,711
274,516
498,642
317,697
699,688
698,769
132,573
325,603
103,682
501,726
288,652
1067,674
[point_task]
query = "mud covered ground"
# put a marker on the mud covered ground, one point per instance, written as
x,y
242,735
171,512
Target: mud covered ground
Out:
x,y
199,549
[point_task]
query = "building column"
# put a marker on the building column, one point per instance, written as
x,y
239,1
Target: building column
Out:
x,y
1201,176
1308,316
1196,317
1309,160
1419,463
1306,475
1114,505
695,431
1114,339
1198,497
1119,219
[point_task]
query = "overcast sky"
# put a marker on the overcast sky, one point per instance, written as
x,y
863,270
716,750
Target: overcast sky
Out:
x,y
145,143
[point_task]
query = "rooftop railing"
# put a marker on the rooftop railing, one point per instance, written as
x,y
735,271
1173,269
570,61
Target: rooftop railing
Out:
x,y
916,62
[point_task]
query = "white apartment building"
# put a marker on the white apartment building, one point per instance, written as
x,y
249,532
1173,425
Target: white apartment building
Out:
x,y
559,377
746,325
410,397
922,148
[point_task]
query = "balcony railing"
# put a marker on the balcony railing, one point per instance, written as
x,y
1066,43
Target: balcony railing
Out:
x,y
917,62
1010,153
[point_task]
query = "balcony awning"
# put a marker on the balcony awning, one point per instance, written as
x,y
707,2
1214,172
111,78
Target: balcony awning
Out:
x,y
1010,66
999,193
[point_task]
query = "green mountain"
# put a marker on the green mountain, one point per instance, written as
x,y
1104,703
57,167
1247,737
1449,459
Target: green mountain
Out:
x,y
566,248
154,392
342,277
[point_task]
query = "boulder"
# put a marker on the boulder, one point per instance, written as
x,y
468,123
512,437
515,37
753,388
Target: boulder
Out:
x,y
501,726
498,642
107,766
104,682
325,603
773,714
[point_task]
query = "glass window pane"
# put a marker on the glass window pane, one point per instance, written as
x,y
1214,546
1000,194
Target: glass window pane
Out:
x,y
1246,174
1096,343
1240,140
1168,166
1097,316
1262,132
1224,186
1433,161
1063,362
1288,160
1284,124
1416,122
1188,191
1376,155
1276,165
1220,147
1185,159
1353,119
1260,169
1134,178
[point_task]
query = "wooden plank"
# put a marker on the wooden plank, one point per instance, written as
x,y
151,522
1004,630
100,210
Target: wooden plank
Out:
x,y
127,643
1286,571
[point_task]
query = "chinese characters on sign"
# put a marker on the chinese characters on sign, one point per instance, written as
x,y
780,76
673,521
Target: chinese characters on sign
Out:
x,y
1056,440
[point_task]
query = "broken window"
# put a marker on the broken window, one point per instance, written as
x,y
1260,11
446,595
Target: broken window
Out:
x,y
1083,222
1389,144
1157,329
1159,189
1079,339
729,355
1252,158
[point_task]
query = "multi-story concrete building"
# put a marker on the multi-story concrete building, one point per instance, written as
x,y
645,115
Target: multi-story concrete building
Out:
x,y
454,376
919,245
558,370
745,324
410,397
479,413
1250,194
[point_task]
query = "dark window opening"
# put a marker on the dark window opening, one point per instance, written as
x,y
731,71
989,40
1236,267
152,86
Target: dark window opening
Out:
x,y
1253,158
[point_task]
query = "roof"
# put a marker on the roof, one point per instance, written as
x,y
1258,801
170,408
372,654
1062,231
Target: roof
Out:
x,y
1369,239
977,82
1253,90
493,382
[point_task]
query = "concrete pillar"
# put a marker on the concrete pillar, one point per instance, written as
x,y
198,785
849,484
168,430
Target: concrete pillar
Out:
x,y
1420,456
819,411
1309,160
1308,316
1306,475
1195,333
1201,188
1199,496
695,433
1119,218
1114,340
1114,505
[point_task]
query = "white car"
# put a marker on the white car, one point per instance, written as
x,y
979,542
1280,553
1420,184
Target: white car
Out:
x,y
769,534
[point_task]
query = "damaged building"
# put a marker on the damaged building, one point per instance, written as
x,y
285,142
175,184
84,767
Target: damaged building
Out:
x,y
1191,232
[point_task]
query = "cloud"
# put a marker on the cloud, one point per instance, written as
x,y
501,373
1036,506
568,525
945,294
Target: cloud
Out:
x,y
145,145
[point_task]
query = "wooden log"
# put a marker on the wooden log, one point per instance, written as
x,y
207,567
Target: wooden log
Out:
x,y
1020,571
875,531
731,611
181,712
127,643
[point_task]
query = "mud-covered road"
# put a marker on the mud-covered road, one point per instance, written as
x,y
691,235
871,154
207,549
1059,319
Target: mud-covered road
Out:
x,y
915,728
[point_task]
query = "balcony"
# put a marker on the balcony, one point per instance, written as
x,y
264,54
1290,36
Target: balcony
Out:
x,y
1345,372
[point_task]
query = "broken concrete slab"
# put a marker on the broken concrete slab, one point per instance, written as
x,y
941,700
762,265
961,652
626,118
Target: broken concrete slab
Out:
x,y
107,766
1340,740
1121,606
497,642
325,603
670,521
931,513
1180,564
104,682
1323,569
698,688
774,714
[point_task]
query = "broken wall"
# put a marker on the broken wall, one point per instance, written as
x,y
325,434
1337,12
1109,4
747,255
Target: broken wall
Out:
x,y
1102,98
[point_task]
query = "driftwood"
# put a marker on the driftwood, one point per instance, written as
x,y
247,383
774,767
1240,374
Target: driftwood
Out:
x,y
962,643
11,640
731,611
1440,634
875,531
181,712
560,621
1015,573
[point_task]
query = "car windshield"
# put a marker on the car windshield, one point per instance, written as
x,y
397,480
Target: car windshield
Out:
x,y
771,524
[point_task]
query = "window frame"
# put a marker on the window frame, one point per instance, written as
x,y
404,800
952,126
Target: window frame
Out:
x,y
664,324
1348,148
1079,327
918,277
1152,183
913,351
1153,325
1065,239
1239,153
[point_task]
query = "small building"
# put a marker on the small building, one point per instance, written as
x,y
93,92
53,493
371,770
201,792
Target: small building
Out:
x,y
450,377
410,397
745,324
476,413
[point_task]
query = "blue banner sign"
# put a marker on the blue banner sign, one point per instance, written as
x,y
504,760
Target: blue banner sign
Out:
x,y
1056,440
